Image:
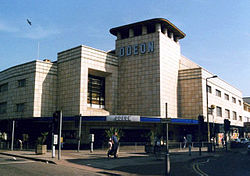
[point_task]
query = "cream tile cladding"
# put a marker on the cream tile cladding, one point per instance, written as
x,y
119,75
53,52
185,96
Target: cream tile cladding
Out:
x,y
190,103
36,94
74,66
139,78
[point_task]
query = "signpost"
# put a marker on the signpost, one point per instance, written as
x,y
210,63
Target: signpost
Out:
x,y
167,158
79,134
60,135
189,141
91,139
13,134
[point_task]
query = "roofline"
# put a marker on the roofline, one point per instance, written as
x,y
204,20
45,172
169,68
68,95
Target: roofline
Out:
x,y
163,21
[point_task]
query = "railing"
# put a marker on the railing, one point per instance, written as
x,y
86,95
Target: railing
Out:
x,y
144,146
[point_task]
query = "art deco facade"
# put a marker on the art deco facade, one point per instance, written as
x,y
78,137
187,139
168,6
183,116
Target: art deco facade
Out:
x,y
146,75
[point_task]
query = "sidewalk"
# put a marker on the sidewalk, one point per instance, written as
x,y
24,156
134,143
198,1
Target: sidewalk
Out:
x,y
128,163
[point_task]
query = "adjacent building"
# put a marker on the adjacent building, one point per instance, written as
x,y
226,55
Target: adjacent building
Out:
x,y
145,79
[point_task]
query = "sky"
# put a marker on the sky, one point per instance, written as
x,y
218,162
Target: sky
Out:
x,y
217,32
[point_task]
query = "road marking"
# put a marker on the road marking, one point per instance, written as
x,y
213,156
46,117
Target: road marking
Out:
x,y
198,170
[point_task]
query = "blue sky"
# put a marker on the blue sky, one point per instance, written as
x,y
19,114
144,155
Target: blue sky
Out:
x,y
217,32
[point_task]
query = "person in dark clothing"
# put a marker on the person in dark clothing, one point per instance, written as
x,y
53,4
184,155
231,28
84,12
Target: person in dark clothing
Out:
x,y
115,144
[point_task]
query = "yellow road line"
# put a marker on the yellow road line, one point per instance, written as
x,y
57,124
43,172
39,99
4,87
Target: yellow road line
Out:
x,y
197,170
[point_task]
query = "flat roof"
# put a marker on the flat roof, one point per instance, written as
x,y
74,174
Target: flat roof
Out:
x,y
165,23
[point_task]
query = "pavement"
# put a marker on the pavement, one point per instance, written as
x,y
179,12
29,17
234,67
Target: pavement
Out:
x,y
129,162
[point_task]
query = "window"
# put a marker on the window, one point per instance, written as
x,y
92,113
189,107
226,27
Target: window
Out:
x,y
209,89
96,91
239,102
3,108
218,111
226,96
22,83
227,114
234,115
233,100
4,87
20,107
218,93
240,117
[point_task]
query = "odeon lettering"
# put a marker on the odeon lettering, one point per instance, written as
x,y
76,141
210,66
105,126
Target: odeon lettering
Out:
x,y
136,49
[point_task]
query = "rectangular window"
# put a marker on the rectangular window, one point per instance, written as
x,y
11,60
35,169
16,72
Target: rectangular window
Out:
x,y
22,83
227,114
96,91
20,107
239,102
240,117
218,93
234,115
209,89
218,111
233,100
4,87
226,96
3,107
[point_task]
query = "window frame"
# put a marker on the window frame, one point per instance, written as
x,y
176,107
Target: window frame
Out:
x,y
3,107
4,87
227,115
209,89
20,107
218,111
226,96
217,92
21,83
233,99
96,91
234,115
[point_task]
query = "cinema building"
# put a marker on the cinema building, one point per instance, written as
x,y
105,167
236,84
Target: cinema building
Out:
x,y
145,79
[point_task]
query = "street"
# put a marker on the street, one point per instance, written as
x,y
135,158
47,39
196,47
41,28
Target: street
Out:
x,y
235,163
14,166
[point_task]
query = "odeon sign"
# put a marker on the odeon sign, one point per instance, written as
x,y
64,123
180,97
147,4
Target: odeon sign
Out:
x,y
122,118
136,49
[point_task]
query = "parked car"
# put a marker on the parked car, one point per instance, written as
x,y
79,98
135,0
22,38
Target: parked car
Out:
x,y
244,141
248,149
237,140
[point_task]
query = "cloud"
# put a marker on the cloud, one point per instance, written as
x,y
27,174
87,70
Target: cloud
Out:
x,y
38,32
4,27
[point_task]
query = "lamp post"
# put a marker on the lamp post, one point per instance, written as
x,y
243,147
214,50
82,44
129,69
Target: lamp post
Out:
x,y
208,127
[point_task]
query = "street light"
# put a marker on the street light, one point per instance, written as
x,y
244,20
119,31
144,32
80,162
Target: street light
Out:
x,y
208,128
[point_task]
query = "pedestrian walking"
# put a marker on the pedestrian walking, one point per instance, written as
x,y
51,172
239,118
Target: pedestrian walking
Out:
x,y
222,142
115,143
109,147
185,142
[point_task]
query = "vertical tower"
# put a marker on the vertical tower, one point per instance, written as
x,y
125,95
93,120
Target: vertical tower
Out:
x,y
148,54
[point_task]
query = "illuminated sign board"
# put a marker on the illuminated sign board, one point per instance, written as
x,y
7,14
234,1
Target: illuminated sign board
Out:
x,y
122,118
136,49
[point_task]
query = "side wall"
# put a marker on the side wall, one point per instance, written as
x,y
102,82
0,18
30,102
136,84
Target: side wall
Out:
x,y
15,94
190,100
169,65
69,72
213,99
45,89
74,66
99,63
